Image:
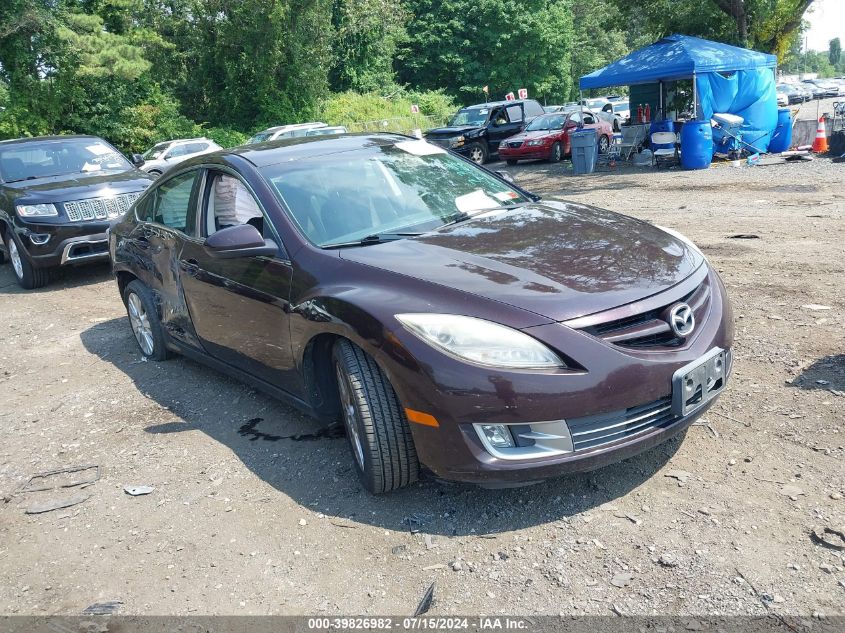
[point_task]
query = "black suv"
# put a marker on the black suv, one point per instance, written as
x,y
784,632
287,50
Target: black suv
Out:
x,y
58,195
476,131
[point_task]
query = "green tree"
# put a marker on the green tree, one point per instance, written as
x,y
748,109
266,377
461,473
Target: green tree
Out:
x,y
464,45
834,53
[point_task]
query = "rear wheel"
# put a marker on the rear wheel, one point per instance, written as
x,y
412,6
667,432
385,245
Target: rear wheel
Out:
x,y
143,317
556,153
28,276
604,144
478,153
378,432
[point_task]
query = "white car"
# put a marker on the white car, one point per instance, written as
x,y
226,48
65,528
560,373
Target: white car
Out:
x,y
161,156
285,131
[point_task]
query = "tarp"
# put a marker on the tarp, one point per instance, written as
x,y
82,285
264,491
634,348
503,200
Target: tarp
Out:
x,y
673,58
750,94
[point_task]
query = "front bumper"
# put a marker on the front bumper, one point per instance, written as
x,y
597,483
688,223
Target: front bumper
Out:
x,y
536,152
50,245
617,381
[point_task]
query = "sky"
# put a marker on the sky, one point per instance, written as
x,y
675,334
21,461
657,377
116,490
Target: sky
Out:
x,y
827,20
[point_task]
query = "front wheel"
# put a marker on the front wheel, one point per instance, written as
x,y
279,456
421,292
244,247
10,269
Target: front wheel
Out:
x,y
379,436
478,153
604,145
143,317
28,276
556,153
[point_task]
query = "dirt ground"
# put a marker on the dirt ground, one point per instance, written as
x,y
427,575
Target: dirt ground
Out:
x,y
716,522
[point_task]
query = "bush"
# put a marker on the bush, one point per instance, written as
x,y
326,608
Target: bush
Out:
x,y
225,136
374,112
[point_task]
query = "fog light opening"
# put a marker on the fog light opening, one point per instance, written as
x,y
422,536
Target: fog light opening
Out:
x,y
39,239
498,435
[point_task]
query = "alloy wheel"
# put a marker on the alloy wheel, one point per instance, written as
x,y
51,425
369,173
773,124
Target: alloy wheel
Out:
x,y
476,155
604,145
556,153
140,324
350,415
15,256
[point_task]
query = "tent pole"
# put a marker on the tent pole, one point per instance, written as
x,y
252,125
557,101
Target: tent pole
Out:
x,y
581,103
660,102
694,98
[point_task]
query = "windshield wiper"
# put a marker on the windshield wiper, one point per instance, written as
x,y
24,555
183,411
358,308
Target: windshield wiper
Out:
x,y
463,216
377,238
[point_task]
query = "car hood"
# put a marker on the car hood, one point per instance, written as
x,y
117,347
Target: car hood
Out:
x,y
559,260
78,186
528,135
448,132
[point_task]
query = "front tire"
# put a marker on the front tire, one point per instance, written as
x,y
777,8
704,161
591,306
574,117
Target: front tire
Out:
x,y
382,447
146,324
604,145
28,276
556,153
478,153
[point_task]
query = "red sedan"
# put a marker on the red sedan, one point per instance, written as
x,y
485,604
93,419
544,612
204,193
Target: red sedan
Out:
x,y
547,136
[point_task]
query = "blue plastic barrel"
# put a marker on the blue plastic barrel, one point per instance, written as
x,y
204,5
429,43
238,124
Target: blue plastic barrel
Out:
x,y
696,145
661,126
585,150
782,136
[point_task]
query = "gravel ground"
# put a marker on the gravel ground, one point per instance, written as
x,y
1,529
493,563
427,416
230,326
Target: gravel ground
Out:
x,y
716,522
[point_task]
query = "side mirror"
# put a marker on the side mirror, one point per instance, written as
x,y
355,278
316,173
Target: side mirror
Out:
x,y
243,240
137,160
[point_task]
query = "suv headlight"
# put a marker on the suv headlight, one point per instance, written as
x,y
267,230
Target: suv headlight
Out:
x,y
481,342
37,210
457,142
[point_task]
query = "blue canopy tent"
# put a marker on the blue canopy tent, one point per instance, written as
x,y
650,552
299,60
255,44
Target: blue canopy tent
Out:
x,y
725,78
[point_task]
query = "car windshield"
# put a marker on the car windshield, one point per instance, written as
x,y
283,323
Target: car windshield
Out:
x,y
259,138
42,158
384,192
470,116
551,122
155,151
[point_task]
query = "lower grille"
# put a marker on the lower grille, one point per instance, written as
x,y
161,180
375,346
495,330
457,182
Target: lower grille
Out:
x,y
596,430
100,208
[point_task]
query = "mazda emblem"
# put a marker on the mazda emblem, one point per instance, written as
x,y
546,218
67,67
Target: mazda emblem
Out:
x,y
681,320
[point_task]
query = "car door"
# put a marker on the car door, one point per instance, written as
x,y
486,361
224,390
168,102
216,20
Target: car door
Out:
x,y
239,306
166,220
501,127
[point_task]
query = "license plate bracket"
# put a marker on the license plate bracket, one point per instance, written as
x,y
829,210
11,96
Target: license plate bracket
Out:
x,y
697,383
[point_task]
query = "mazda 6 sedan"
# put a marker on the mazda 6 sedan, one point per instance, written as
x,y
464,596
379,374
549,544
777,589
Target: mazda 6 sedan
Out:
x,y
453,321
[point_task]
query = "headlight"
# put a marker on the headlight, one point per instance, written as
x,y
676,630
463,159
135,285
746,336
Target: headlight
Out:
x,y
538,141
457,142
37,210
481,342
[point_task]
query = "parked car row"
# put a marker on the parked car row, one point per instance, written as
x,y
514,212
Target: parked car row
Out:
x,y
450,319
518,130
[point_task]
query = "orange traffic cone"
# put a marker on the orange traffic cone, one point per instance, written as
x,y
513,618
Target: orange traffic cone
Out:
x,y
820,144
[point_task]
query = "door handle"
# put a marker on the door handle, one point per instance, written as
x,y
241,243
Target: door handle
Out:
x,y
190,267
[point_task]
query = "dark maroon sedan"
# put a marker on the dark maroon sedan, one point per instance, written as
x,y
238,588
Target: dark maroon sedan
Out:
x,y
452,320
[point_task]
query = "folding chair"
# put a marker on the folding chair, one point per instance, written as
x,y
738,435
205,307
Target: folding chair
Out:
x,y
665,157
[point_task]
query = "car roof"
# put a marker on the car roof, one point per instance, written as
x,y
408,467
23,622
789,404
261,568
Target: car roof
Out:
x,y
57,137
493,104
284,150
293,126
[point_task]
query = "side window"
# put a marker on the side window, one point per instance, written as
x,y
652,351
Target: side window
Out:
x,y
515,113
575,118
498,117
229,203
173,206
145,211
179,150
532,109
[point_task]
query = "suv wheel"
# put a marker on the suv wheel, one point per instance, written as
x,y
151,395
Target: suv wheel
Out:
x,y
478,153
28,276
379,436
143,317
